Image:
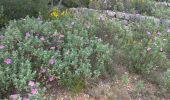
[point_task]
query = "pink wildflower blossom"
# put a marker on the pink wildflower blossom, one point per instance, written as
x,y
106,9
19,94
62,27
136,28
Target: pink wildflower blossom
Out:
x,y
148,49
52,61
8,61
34,91
27,35
14,97
159,33
2,47
51,78
161,49
31,83
168,30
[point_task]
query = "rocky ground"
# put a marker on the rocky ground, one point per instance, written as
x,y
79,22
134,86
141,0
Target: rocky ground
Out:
x,y
126,86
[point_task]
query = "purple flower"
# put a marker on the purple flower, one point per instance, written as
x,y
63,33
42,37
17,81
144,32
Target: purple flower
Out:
x,y
14,97
34,91
2,37
159,33
149,33
2,47
27,35
31,83
52,61
8,61
168,30
51,78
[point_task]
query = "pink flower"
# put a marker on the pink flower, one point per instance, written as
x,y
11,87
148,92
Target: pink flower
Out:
x,y
25,98
161,49
14,97
168,30
8,61
2,47
27,35
42,38
31,83
51,78
159,33
148,49
34,91
52,61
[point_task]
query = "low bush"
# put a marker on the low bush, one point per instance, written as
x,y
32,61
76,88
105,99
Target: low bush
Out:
x,y
162,13
3,18
61,49
146,50
15,9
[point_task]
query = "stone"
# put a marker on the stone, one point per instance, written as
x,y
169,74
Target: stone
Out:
x,y
127,16
137,17
132,17
142,18
119,15
157,21
110,13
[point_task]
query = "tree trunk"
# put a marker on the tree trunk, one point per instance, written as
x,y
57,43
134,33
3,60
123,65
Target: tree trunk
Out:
x,y
52,4
59,4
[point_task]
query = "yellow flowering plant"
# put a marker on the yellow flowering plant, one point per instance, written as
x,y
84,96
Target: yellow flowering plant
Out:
x,y
55,13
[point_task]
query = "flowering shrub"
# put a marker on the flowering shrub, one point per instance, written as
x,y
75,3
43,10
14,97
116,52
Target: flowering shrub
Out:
x,y
34,92
19,62
30,48
147,48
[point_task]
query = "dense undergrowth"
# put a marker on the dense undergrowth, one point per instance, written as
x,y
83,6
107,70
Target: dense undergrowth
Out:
x,y
72,48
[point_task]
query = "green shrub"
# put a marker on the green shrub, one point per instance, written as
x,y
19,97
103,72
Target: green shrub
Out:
x,y
133,6
143,6
19,60
15,9
74,3
67,52
3,18
162,13
146,50
119,6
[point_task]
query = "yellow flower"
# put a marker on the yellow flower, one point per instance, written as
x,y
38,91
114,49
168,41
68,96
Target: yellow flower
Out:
x,y
54,14
57,13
